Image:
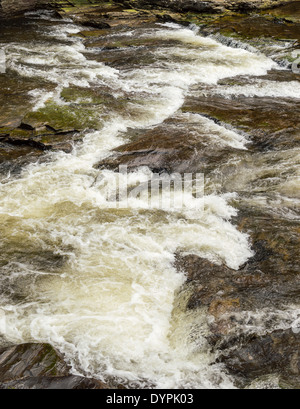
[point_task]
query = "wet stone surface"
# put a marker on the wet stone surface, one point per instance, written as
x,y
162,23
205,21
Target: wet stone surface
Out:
x,y
39,366
259,26
275,353
242,303
171,147
272,124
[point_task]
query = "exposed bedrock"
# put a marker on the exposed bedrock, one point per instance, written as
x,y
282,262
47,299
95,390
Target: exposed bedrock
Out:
x,y
15,7
39,366
209,6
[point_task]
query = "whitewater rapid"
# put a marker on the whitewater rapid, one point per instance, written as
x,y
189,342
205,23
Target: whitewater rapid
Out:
x,y
110,302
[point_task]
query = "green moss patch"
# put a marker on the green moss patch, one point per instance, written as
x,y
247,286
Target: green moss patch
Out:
x,y
63,117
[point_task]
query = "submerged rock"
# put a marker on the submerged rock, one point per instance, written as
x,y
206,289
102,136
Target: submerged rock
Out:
x,y
39,366
269,279
274,353
257,26
273,123
64,382
31,360
171,147
16,7
246,306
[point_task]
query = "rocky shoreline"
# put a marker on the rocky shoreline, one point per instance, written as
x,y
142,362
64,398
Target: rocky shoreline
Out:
x,y
16,7
210,6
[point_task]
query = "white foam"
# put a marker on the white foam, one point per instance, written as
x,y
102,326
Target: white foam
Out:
x,y
48,15
262,88
217,134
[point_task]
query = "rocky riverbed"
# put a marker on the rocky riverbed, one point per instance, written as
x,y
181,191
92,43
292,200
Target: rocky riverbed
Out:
x,y
240,299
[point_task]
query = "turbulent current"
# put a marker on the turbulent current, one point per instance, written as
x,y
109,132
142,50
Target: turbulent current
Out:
x,y
97,282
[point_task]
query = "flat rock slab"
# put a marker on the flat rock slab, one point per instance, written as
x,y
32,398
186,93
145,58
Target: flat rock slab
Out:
x,y
39,366
31,360
64,382
172,146
259,26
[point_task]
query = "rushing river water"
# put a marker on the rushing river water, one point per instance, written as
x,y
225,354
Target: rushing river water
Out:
x,y
99,283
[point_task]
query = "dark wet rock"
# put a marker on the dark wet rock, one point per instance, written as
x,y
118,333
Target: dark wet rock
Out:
x,y
133,13
25,132
220,288
64,382
16,7
257,26
290,11
198,6
274,353
23,140
31,360
272,123
123,52
12,156
14,105
269,279
239,301
41,139
169,147
39,366
61,118
179,5
95,39
106,15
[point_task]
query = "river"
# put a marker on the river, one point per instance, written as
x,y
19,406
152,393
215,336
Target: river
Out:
x,y
99,283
